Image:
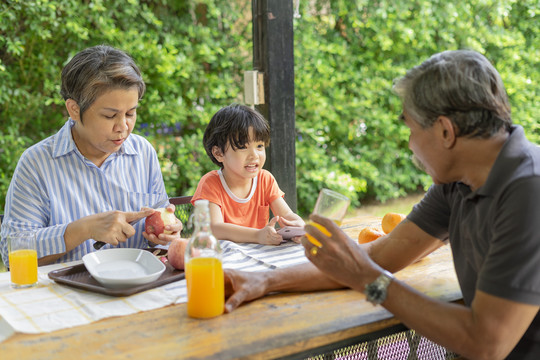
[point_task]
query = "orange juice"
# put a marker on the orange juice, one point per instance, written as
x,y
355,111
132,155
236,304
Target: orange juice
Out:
x,y
321,229
23,267
205,287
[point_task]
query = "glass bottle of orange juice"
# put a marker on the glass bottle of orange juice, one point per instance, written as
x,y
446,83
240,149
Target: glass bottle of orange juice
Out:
x,y
204,271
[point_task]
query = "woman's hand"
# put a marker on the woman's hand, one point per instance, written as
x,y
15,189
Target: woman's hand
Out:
x,y
165,239
112,227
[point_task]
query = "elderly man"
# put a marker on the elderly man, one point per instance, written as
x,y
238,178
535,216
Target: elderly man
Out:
x,y
485,201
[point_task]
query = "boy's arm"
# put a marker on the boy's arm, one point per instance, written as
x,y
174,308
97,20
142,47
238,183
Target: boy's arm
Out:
x,y
237,233
286,216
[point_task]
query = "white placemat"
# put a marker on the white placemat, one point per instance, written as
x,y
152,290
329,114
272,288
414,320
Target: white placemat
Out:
x,y
50,306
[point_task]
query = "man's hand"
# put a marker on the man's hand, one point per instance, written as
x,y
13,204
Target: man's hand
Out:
x,y
243,286
339,257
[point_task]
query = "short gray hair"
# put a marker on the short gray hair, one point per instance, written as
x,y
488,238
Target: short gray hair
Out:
x,y
459,84
96,70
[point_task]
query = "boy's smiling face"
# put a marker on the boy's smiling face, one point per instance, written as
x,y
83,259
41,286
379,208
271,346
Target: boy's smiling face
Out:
x,y
243,163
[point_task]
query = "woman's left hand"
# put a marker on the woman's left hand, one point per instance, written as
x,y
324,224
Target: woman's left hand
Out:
x,y
165,239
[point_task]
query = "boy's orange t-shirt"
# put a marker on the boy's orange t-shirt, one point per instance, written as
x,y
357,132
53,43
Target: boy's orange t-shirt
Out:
x,y
253,212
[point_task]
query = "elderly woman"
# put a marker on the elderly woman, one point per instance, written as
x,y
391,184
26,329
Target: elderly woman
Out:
x,y
93,178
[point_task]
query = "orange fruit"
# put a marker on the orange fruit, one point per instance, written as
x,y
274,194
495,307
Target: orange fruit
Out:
x,y
390,221
368,234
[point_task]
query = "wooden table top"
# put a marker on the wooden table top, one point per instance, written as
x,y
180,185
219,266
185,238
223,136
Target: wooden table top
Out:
x,y
271,327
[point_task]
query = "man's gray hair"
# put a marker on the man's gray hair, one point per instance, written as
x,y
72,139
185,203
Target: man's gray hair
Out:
x,y
459,84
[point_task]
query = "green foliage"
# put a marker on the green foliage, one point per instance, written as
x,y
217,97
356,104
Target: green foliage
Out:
x,y
349,52
193,53
183,162
12,144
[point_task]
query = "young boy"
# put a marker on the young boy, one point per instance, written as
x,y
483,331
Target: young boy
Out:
x,y
241,193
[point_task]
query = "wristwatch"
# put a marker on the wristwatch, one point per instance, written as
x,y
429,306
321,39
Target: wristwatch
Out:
x,y
377,290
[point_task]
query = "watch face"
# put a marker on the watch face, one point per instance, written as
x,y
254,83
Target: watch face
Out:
x,y
376,293
377,290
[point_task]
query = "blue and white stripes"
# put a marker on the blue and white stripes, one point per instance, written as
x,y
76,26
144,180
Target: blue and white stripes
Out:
x,y
54,185
248,257
257,257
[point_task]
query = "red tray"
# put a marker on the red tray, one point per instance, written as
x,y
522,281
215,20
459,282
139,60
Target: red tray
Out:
x,y
77,276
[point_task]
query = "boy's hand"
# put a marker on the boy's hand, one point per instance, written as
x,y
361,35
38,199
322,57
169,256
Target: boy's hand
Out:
x,y
283,222
268,234
296,223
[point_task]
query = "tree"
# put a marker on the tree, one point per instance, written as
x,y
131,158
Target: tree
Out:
x,y
193,53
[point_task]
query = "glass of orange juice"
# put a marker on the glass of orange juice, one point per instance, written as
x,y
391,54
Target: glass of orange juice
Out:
x,y
332,205
23,259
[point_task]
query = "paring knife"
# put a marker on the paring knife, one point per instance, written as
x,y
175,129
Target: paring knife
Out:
x,y
99,244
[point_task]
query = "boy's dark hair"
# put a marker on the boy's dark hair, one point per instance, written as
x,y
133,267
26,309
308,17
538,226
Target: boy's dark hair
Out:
x,y
230,125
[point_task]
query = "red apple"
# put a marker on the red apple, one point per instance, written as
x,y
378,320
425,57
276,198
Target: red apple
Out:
x,y
155,223
177,249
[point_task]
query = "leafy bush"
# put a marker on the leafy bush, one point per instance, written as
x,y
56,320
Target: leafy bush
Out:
x,y
347,55
193,53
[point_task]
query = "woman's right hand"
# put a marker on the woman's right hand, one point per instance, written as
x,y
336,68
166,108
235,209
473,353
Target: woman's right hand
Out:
x,y
113,227
110,227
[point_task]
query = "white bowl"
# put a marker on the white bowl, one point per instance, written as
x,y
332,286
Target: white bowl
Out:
x,y
123,268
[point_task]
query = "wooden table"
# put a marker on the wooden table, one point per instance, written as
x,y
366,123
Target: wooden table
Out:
x,y
275,326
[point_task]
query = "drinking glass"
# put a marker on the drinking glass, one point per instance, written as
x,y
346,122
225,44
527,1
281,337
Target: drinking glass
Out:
x,y
23,262
332,205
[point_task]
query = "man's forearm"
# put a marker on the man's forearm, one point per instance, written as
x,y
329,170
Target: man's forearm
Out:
x,y
303,277
489,329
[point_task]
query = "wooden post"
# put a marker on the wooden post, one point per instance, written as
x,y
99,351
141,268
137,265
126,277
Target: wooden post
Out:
x,y
273,55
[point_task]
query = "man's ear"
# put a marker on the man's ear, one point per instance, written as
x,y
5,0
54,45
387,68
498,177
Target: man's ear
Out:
x,y
218,154
73,109
449,135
